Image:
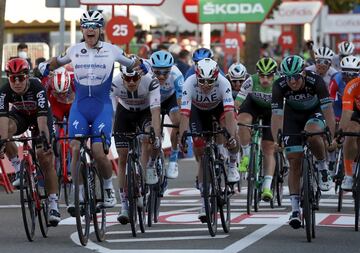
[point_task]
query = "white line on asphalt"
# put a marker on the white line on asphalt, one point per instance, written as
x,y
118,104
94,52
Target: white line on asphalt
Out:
x,y
175,238
169,230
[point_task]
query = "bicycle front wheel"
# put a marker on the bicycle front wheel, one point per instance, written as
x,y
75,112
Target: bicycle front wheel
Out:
x,y
82,208
131,187
97,200
28,208
44,208
210,194
356,193
306,198
224,199
251,180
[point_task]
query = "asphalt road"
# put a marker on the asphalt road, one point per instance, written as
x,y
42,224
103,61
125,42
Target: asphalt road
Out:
x,y
180,231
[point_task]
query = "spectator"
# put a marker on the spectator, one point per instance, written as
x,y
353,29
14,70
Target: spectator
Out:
x,y
183,61
22,52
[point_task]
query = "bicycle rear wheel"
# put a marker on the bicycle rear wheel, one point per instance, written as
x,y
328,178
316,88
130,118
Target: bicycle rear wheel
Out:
x,y
258,175
224,199
97,201
44,208
279,179
28,208
82,209
306,198
251,180
210,194
141,197
151,205
131,181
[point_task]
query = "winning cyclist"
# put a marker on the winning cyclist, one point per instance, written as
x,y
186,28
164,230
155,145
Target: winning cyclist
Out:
x,y
254,99
171,82
93,62
29,108
307,104
207,95
137,105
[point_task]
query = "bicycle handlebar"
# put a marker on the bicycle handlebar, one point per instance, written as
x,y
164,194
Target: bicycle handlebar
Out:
x,y
305,134
41,137
254,126
340,133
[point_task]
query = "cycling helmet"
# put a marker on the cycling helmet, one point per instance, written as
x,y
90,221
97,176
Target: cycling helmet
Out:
x,y
161,59
202,53
292,65
92,16
346,48
128,71
237,71
61,82
17,66
324,53
207,69
266,66
350,63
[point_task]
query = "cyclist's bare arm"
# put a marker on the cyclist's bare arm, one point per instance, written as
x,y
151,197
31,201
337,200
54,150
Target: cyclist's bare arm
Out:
x,y
230,123
329,116
345,119
155,120
4,127
43,127
276,124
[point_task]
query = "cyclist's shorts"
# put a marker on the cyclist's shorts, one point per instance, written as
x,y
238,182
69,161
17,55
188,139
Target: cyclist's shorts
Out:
x,y
91,117
295,122
356,115
202,120
127,121
256,111
170,104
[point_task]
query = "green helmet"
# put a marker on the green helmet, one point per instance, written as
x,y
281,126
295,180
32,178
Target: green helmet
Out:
x,y
266,66
292,65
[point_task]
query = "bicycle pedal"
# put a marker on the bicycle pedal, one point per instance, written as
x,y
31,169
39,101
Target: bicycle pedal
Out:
x,y
203,219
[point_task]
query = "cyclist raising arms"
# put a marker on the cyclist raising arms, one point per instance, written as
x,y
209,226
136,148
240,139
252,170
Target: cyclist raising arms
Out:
x,y
307,104
138,105
93,62
29,108
254,99
171,82
207,95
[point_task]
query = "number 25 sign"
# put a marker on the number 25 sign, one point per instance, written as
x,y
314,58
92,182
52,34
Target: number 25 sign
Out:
x,y
120,30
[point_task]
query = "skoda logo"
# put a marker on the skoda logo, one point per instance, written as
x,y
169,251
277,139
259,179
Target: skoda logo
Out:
x,y
83,51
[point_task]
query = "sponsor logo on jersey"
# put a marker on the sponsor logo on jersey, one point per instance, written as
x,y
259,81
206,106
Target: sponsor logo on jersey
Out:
x,y
2,101
83,51
92,66
41,99
101,127
75,124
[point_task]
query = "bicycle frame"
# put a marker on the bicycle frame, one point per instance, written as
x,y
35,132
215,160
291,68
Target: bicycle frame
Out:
x,y
64,145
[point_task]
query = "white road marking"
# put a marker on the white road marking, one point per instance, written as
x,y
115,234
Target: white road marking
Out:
x,y
174,238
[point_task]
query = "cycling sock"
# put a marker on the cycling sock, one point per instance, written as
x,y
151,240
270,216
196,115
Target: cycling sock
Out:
x,y
123,199
295,199
348,167
174,155
108,183
246,149
267,182
322,165
233,158
15,161
332,156
151,162
53,199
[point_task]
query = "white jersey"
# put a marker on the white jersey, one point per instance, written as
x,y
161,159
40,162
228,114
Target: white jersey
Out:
x,y
336,62
328,75
147,94
193,95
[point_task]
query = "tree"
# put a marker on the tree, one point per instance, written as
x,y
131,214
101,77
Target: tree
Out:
x,y
342,6
2,24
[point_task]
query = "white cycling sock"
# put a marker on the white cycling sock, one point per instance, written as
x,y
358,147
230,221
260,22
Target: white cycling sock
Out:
x,y
108,183
295,199
123,199
15,161
322,165
246,150
267,182
53,199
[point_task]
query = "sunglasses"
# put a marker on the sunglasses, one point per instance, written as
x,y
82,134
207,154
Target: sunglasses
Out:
x,y
266,76
160,72
14,78
323,61
91,25
350,74
234,81
208,81
134,78
293,77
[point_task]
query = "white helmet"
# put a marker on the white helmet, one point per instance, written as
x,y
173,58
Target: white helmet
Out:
x,y
346,48
237,71
324,53
207,69
92,16
350,63
61,81
127,71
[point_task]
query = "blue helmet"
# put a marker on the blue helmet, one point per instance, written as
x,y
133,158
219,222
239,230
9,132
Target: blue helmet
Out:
x,y
202,53
162,59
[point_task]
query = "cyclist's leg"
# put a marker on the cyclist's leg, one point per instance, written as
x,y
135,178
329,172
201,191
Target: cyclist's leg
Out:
x,y
350,150
316,124
174,114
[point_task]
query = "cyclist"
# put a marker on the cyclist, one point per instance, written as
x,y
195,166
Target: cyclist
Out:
x,y
237,74
254,99
137,105
199,54
171,82
307,104
207,95
29,108
322,66
350,121
93,62
345,48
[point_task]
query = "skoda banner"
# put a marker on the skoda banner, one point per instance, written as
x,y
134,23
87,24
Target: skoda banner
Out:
x,y
234,11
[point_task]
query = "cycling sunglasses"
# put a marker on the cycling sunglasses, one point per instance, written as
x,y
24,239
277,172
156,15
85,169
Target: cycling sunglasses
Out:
x,y
350,74
323,61
91,25
160,72
20,78
267,76
295,77
134,78
208,81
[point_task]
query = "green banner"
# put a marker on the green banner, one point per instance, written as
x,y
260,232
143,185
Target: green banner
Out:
x,y
234,11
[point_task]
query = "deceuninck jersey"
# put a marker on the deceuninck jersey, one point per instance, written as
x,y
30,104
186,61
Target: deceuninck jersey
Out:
x,y
328,75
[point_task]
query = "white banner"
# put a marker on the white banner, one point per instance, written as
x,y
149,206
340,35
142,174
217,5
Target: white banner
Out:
x,y
342,23
130,2
292,13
